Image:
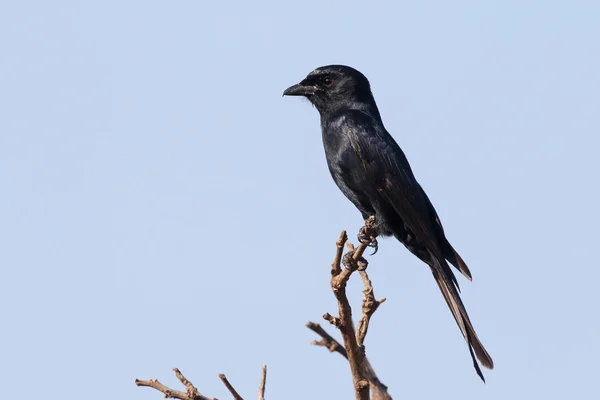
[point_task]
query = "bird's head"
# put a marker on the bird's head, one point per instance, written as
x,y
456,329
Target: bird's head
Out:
x,y
332,87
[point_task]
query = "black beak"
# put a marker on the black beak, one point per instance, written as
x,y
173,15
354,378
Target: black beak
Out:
x,y
299,90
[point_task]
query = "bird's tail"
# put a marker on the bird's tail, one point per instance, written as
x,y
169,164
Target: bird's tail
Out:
x,y
462,318
456,260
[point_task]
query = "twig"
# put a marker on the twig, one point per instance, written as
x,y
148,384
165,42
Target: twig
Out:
x,y
190,394
191,389
263,382
326,341
235,394
168,392
339,246
369,306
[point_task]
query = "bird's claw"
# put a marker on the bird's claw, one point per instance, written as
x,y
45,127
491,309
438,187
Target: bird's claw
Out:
x,y
354,265
368,239
374,244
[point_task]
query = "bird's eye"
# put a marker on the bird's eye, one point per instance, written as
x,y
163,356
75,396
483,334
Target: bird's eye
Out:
x,y
327,81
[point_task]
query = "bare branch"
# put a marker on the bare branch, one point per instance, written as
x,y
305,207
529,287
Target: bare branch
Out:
x,y
190,389
263,382
190,394
327,340
169,393
235,394
363,375
339,245
339,278
378,389
369,306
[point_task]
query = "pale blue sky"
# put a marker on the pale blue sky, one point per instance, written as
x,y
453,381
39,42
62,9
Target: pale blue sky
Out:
x,y
163,206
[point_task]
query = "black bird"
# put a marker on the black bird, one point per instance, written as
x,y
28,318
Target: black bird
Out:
x,y
372,171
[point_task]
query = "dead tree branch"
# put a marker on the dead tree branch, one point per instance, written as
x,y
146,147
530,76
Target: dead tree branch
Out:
x,y
326,340
339,279
378,389
263,382
233,392
192,392
363,375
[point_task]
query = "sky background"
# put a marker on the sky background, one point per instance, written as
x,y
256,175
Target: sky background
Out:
x,y
163,206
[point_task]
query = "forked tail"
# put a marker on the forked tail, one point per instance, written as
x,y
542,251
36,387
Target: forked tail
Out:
x,y
462,318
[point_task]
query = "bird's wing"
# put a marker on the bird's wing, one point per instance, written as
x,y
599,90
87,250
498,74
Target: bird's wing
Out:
x,y
387,167
389,171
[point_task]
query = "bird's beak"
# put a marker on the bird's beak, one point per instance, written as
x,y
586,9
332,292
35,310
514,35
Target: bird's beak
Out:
x,y
299,90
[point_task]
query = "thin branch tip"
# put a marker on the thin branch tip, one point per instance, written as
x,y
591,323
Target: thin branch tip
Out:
x,y
263,382
229,387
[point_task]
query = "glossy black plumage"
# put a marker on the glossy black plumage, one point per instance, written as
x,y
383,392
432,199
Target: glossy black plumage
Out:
x,y
372,171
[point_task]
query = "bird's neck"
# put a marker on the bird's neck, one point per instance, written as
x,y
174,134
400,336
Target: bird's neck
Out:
x,y
334,113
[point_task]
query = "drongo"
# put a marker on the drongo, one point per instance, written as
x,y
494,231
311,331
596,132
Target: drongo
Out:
x,y
372,171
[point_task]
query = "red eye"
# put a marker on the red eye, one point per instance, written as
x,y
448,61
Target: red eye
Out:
x,y
327,81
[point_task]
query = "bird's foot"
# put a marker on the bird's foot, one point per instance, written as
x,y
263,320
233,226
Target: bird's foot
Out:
x,y
365,236
354,265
